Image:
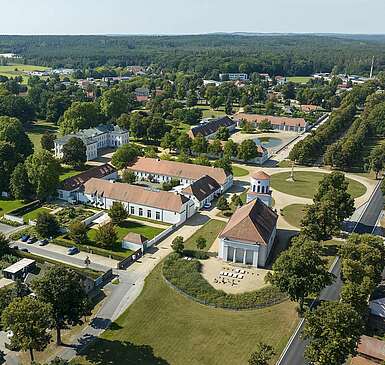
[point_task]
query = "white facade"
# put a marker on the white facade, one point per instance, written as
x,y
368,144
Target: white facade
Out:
x,y
234,76
183,181
260,188
245,253
144,211
95,139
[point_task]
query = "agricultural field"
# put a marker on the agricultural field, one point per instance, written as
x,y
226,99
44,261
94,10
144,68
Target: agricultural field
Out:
x,y
19,70
299,79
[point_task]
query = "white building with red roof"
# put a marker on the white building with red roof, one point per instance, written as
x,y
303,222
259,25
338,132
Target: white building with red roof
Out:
x,y
260,188
249,235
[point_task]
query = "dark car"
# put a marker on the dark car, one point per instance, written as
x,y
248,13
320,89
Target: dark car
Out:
x,y
72,250
31,240
15,247
24,249
24,238
43,242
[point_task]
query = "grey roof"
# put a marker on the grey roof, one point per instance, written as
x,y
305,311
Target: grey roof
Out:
x,y
202,188
87,135
211,127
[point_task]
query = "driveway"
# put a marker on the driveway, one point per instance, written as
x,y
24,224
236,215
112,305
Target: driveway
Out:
x,y
59,253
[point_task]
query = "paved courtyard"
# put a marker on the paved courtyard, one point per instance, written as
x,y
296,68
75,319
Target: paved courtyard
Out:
x,y
217,273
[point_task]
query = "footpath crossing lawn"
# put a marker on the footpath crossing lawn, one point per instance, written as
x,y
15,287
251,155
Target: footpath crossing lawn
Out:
x,y
306,184
163,327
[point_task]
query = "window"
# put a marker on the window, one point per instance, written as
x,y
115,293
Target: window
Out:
x,y
148,213
140,212
132,210
157,216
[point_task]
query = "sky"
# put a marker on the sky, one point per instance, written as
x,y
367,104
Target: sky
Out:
x,y
191,16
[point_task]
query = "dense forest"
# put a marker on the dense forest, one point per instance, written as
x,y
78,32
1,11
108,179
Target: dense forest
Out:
x,y
206,55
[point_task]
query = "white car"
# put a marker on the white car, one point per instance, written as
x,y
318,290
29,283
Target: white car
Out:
x,y
207,205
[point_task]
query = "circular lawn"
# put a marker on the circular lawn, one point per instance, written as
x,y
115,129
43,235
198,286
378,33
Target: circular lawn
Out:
x,y
293,214
306,184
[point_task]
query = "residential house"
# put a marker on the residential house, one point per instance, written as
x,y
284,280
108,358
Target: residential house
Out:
x,y
202,191
102,136
209,128
249,235
70,188
139,201
278,123
164,171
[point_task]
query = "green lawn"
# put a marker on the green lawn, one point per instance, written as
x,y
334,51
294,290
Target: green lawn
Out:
x,y
298,79
68,172
32,215
239,171
306,184
37,129
130,226
209,231
211,113
17,70
293,214
6,205
165,328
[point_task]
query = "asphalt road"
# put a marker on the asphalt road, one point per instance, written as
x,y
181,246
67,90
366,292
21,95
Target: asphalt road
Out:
x,y
295,352
68,259
371,213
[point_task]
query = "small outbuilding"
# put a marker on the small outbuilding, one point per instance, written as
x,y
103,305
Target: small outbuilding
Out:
x,y
134,241
20,269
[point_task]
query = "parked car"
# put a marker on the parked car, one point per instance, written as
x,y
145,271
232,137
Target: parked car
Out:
x,y
15,247
24,249
24,238
43,242
31,240
72,250
207,205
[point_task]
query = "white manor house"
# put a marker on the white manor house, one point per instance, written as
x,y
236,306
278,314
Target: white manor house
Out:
x,y
102,136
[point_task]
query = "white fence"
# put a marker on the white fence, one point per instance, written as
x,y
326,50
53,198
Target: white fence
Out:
x,y
14,218
89,220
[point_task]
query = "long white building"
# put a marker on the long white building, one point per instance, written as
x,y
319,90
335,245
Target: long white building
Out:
x,y
164,171
139,201
102,136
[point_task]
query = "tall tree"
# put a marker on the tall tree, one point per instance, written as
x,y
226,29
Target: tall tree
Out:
x,y
43,173
29,320
117,213
114,103
8,161
47,141
63,290
106,236
262,354
247,150
75,152
12,131
77,231
124,155
80,115
333,331
20,185
300,270
46,224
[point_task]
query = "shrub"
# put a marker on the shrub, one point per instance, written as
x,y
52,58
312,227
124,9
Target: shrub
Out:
x,y
106,236
78,232
177,244
46,224
185,275
117,213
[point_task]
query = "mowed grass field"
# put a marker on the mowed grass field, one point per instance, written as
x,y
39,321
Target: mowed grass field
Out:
x,y
165,328
306,184
298,79
209,231
293,214
17,69
239,171
37,129
6,205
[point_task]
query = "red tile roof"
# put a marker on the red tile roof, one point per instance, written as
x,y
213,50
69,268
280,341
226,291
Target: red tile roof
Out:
x,y
274,120
260,175
372,348
176,169
252,223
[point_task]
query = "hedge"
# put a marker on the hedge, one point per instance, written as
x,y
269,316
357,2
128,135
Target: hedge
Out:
x,y
18,212
185,276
